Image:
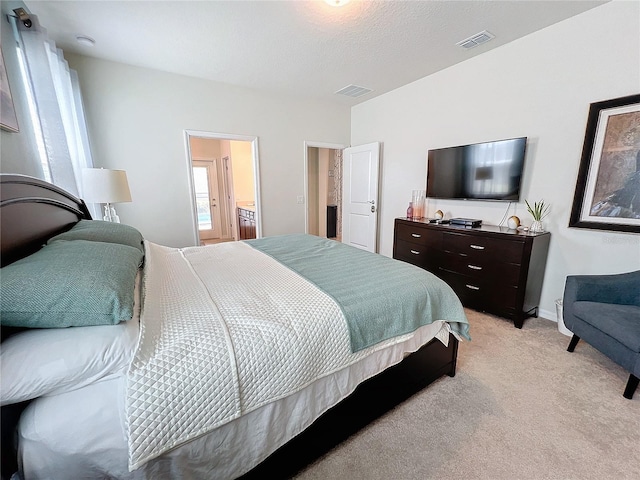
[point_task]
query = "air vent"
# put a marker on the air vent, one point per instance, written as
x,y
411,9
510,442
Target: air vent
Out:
x,y
475,40
353,91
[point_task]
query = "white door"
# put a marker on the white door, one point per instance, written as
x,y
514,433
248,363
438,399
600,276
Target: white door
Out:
x,y
361,166
205,182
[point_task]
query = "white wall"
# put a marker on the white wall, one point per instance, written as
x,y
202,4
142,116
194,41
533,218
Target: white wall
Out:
x,y
136,120
242,166
204,148
324,156
539,86
312,190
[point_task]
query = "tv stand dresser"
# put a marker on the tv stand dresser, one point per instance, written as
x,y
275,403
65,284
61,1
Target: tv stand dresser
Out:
x,y
491,269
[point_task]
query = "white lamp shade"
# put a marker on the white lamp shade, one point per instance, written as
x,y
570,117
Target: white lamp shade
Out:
x,y
105,186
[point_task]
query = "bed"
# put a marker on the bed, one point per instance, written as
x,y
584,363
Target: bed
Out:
x,y
239,359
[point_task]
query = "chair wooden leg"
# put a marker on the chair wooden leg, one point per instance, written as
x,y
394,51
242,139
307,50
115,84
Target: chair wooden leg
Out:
x,y
572,344
632,384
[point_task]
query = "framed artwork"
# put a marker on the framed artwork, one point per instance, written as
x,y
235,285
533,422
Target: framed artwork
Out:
x,y
607,195
8,120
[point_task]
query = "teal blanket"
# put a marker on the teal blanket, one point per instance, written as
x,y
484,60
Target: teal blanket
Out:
x,y
380,297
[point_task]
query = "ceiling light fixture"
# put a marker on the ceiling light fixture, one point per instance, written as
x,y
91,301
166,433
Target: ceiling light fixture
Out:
x,y
85,41
337,3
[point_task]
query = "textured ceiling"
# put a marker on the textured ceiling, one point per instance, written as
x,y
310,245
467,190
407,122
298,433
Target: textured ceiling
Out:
x,y
305,48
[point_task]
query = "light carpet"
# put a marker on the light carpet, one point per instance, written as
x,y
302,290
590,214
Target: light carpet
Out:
x,y
519,407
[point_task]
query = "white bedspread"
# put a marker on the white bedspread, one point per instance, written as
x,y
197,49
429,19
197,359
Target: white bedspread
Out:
x,y
222,337
81,434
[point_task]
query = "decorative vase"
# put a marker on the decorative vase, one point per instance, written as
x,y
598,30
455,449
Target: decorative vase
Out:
x,y
410,211
536,227
418,199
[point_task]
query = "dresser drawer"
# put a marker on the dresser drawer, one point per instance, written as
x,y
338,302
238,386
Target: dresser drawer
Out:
x,y
482,294
419,255
418,236
481,267
477,247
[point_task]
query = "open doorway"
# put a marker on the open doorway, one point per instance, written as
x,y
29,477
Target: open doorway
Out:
x,y
323,189
223,176
345,180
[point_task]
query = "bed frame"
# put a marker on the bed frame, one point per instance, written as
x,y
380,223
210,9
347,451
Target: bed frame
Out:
x,y
32,211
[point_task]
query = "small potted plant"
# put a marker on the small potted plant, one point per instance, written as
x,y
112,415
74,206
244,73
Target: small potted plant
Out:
x,y
539,211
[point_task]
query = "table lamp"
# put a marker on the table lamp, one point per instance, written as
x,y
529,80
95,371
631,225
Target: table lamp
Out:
x,y
101,185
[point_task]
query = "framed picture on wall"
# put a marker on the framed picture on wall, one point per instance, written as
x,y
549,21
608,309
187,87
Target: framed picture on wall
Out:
x,y
607,195
8,120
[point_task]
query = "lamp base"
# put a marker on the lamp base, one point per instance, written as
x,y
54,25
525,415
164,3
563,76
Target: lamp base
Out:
x,y
110,214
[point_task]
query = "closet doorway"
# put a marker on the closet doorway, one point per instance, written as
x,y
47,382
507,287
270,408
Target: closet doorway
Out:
x,y
323,189
223,178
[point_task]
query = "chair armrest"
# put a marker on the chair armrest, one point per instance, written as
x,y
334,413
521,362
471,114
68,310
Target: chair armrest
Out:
x,y
622,288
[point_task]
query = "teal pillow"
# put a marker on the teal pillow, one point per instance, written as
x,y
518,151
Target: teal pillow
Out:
x,y
68,284
99,231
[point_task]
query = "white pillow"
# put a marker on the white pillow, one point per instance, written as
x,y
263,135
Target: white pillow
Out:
x,y
41,362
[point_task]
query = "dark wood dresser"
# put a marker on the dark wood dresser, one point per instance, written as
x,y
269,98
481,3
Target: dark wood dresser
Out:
x,y
492,269
246,223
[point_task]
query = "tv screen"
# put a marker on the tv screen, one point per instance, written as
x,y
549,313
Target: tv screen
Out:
x,y
482,171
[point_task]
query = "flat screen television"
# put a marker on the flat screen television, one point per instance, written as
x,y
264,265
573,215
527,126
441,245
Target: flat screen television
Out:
x,y
481,171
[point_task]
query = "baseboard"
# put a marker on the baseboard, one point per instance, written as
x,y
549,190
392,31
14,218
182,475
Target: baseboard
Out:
x,y
552,316
548,315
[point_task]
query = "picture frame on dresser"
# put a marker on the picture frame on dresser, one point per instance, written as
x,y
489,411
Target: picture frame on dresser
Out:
x,y
609,173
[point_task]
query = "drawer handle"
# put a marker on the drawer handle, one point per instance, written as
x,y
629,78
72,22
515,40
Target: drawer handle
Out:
x,y
477,247
415,252
472,287
416,235
474,267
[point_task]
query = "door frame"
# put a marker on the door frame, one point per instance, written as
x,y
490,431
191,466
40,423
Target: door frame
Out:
x,y
307,144
230,192
256,174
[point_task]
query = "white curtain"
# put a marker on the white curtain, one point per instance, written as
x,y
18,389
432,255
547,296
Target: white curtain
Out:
x,y
55,106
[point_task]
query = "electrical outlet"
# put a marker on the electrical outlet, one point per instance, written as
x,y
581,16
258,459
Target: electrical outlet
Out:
x,y
300,199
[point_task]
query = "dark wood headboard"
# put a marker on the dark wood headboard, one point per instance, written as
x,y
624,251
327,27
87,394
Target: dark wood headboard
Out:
x,y
31,212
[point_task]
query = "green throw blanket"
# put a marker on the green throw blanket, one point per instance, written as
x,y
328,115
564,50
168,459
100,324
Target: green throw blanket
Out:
x,y
380,297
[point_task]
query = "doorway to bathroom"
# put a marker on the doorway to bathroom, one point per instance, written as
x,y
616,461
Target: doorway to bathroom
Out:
x,y
323,187
223,178
341,188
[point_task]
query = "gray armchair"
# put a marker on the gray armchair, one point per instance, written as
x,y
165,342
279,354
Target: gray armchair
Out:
x,y
604,310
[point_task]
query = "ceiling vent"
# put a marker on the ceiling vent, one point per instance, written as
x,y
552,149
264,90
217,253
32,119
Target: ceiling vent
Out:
x,y
353,91
475,40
